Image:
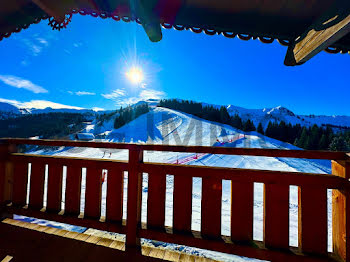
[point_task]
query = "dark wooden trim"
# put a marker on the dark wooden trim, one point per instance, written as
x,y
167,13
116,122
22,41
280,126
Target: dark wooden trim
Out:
x,y
250,175
307,154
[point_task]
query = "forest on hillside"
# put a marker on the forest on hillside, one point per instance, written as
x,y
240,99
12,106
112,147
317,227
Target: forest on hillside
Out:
x,y
127,114
311,138
49,125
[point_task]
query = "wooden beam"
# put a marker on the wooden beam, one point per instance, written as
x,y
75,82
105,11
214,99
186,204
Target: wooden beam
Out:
x,y
325,31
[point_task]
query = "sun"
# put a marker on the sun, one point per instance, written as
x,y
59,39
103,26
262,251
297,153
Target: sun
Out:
x,y
135,75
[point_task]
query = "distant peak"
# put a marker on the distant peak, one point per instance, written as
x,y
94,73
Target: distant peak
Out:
x,y
279,110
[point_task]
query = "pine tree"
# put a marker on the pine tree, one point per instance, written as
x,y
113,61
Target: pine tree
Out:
x,y
260,129
249,126
270,130
303,140
236,122
323,145
338,144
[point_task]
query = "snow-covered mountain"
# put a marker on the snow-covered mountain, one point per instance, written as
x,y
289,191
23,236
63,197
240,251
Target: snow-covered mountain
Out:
x,y
281,113
9,108
278,114
6,107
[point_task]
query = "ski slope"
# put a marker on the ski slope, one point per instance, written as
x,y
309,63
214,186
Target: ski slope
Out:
x,y
166,126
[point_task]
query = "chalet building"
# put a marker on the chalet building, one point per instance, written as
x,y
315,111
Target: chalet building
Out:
x,y
84,136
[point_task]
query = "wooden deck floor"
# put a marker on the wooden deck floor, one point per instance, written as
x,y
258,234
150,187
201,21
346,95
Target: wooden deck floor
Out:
x,y
21,241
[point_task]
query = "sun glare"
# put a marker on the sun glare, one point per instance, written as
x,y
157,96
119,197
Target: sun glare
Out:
x,y
135,75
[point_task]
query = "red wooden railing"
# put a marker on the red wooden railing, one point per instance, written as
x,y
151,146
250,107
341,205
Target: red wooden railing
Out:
x,y
312,224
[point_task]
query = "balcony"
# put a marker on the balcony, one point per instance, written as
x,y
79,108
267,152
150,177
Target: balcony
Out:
x,y
22,177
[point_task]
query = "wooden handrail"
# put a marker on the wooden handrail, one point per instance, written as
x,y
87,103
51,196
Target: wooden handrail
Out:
x,y
306,154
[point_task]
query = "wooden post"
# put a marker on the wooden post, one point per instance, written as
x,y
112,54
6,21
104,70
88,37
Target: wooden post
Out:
x,y
6,172
134,198
341,213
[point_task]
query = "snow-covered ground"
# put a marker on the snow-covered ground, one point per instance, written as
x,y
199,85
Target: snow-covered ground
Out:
x,y
165,126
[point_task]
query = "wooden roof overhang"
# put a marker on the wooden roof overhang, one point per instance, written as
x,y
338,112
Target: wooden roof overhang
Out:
x,y
305,26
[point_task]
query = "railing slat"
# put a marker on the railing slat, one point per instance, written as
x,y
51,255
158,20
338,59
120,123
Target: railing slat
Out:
x,y
73,189
156,200
37,179
93,192
242,199
276,216
313,220
54,187
20,183
182,213
115,184
211,207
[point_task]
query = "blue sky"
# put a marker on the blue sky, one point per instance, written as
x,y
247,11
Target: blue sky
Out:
x,y
85,66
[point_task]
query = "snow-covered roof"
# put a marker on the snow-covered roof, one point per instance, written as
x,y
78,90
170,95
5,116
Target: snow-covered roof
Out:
x,y
85,136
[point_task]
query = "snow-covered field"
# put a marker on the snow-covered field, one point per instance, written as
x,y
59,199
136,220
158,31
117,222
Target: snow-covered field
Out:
x,y
165,126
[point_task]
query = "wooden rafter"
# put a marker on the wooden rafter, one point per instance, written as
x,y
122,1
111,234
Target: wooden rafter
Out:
x,y
325,31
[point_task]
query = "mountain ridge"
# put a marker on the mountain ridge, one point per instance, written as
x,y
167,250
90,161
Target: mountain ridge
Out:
x,y
263,115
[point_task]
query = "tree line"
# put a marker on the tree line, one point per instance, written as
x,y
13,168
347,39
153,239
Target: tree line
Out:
x,y
312,138
208,112
48,125
127,114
